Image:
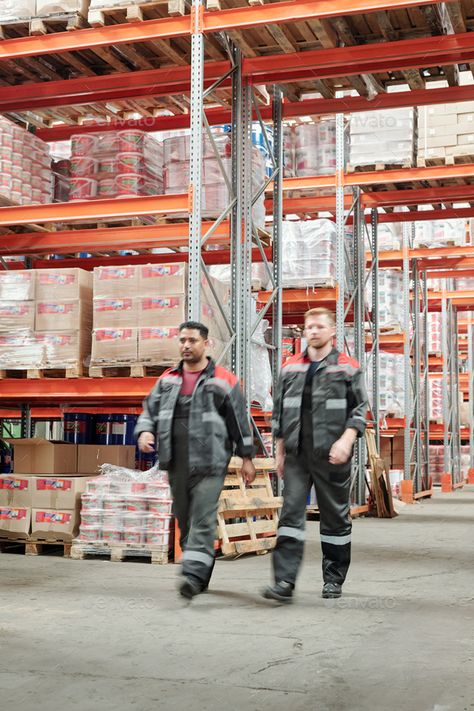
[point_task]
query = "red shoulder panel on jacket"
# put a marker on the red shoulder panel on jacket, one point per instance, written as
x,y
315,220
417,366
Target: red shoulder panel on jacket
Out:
x,y
343,358
169,371
298,358
224,374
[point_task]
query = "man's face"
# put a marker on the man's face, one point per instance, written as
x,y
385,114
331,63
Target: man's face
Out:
x,y
192,345
318,331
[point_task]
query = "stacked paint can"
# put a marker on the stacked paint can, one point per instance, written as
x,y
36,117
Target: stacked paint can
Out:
x,y
78,427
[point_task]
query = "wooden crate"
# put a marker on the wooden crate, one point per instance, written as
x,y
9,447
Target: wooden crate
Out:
x,y
247,518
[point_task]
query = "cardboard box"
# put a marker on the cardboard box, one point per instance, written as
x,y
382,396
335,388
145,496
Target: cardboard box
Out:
x,y
60,284
20,350
115,313
64,349
59,492
114,345
16,315
120,282
161,310
40,456
55,524
66,315
15,522
91,456
162,279
158,345
15,490
438,141
17,285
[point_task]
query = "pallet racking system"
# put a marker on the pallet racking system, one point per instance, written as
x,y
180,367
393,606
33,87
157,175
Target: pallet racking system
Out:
x,y
213,64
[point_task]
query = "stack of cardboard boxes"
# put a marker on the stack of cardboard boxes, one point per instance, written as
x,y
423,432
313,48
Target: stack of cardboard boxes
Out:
x,y
45,318
446,131
41,499
137,311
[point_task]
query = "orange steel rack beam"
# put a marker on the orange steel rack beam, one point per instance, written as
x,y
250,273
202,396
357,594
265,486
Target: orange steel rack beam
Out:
x,y
173,235
308,107
94,209
216,21
281,68
78,390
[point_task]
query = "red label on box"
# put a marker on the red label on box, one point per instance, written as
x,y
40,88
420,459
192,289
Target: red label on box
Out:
x,y
54,308
18,308
113,304
53,517
161,270
9,514
207,310
171,302
113,334
117,273
53,484
54,339
14,484
57,279
158,333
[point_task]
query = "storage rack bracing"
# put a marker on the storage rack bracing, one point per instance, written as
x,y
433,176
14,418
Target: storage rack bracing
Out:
x,y
240,75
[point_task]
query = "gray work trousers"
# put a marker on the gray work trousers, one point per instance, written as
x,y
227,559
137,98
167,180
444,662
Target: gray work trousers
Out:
x,y
332,484
195,502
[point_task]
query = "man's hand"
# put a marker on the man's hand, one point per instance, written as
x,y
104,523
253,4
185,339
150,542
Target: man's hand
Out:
x,y
146,442
248,471
341,450
280,458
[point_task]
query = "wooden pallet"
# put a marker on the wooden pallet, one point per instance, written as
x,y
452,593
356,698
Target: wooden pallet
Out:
x,y
43,24
382,501
76,371
457,159
34,546
368,167
247,518
128,11
132,370
157,554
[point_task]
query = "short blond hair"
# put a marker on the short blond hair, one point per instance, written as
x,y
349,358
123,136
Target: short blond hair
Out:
x,y
321,311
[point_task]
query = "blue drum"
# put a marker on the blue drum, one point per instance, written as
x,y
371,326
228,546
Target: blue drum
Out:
x,y
78,427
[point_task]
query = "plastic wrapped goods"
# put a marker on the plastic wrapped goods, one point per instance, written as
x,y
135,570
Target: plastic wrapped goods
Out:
x,y
382,137
390,298
440,233
309,252
434,334
115,164
391,384
436,398
25,162
123,506
49,7
260,369
10,10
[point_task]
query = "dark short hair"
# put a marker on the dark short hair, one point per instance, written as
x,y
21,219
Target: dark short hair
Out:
x,y
197,326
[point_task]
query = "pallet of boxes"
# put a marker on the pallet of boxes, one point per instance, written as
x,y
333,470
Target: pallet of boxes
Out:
x,y
136,314
45,322
40,500
124,513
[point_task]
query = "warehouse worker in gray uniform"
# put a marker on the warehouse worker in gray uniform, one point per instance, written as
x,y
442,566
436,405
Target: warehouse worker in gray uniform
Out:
x,y
196,417
319,411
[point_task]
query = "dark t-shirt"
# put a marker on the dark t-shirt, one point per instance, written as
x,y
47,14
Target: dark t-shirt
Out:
x,y
308,385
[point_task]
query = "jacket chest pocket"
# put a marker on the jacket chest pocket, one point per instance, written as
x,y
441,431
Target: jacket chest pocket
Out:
x,y
336,398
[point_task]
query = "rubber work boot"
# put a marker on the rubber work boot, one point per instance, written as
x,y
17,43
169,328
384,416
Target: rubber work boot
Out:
x,y
332,590
189,588
282,592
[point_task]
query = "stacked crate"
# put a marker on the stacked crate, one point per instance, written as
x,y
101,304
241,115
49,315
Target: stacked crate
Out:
x,y
137,311
309,253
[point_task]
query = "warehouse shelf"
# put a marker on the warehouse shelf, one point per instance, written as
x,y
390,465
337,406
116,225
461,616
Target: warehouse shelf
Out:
x,y
373,189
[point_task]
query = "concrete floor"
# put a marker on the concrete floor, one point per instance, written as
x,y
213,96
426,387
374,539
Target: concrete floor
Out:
x,y
94,635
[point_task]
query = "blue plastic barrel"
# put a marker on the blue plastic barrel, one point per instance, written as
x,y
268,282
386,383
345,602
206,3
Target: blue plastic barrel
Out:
x,y
6,453
78,427
123,427
103,429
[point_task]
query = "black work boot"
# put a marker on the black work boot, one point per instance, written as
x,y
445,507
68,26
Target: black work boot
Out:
x,y
282,592
332,590
189,588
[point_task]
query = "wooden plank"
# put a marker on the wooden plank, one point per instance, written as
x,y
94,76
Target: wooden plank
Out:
x,y
252,503
235,530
